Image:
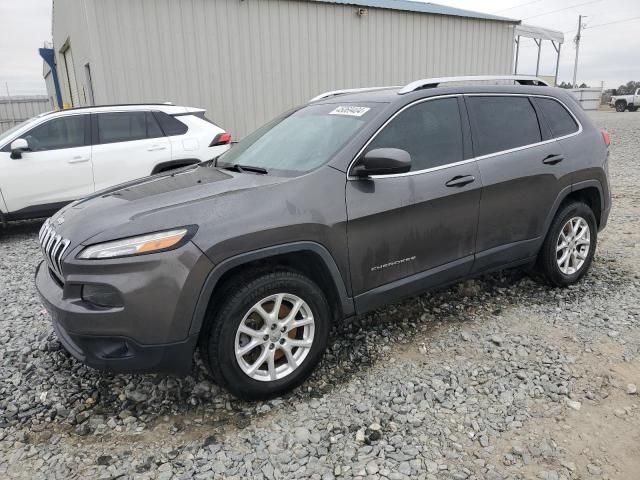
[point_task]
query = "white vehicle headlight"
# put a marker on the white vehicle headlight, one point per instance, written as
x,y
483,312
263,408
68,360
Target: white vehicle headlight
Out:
x,y
153,242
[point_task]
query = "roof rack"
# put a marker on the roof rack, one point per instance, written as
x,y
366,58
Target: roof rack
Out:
x,y
434,82
166,104
333,93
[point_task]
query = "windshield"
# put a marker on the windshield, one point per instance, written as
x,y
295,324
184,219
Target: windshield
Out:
x,y
4,136
301,141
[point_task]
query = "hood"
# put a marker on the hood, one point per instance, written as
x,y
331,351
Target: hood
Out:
x,y
179,198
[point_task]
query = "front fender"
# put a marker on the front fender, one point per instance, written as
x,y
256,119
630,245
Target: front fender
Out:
x,y
219,270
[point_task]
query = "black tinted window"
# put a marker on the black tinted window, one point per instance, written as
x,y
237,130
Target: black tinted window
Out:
x,y
153,129
203,117
430,131
170,125
66,132
502,123
126,126
559,120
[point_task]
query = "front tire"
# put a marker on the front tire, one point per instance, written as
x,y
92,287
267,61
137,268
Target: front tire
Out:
x,y
570,245
268,335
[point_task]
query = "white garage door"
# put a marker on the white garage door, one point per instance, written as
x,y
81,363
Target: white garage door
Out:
x,y
71,77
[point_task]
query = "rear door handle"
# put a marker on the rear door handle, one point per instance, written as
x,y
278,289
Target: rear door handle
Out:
x,y
154,148
553,159
460,181
78,159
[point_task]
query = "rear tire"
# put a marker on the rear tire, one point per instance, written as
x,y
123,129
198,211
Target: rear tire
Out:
x,y
621,106
568,249
258,353
633,109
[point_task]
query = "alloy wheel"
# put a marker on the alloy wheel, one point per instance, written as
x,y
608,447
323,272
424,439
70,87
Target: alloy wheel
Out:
x,y
572,246
274,337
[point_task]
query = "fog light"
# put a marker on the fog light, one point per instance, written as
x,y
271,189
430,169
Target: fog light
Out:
x,y
101,295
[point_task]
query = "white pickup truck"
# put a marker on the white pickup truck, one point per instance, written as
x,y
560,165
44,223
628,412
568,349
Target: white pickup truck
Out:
x,y
626,102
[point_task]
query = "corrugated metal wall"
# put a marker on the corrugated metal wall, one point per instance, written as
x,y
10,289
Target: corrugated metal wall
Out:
x,y
70,30
247,61
14,110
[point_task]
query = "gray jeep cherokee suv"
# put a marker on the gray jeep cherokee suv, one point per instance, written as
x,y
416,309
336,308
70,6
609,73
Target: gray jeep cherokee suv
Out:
x,y
352,201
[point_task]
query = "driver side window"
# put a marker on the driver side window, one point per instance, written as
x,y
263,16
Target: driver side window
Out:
x,y
64,132
430,131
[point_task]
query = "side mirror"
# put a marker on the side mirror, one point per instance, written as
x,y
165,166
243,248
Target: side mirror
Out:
x,y
18,146
382,161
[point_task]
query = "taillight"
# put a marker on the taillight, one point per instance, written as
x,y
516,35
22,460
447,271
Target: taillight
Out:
x,y
223,138
606,137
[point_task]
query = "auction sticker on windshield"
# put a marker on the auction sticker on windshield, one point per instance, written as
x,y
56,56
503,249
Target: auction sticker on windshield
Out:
x,y
350,110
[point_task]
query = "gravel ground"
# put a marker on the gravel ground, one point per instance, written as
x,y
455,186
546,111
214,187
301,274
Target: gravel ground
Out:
x,y
495,378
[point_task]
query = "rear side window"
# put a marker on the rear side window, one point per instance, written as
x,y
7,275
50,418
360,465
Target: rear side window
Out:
x,y
202,116
153,129
126,127
170,125
64,132
502,123
430,131
560,121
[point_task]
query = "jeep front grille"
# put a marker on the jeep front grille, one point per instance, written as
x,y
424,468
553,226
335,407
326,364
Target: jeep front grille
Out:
x,y
53,247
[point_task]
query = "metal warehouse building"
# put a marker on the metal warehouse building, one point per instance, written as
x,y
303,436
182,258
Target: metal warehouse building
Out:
x,y
247,60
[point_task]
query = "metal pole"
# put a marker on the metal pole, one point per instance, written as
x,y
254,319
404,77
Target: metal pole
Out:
x,y
577,40
555,82
539,43
515,70
11,105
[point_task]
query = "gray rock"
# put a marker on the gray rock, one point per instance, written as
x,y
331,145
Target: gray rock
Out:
x,y
302,435
594,469
573,404
372,468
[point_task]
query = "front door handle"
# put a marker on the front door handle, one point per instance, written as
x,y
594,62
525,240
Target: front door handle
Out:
x,y
460,181
78,159
552,159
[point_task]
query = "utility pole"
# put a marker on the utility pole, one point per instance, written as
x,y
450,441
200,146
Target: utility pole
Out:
x,y
577,42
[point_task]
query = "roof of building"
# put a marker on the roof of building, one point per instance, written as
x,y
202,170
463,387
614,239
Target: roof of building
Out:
x,y
531,31
421,7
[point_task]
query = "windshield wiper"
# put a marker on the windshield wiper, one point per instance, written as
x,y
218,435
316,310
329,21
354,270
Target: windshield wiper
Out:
x,y
246,168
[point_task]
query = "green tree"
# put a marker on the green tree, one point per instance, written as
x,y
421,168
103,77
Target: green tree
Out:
x,y
565,85
628,88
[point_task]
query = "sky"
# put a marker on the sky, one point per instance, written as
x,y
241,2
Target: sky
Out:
x,y
24,27
608,53
609,50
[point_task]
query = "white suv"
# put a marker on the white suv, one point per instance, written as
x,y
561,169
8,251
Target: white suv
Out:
x,y
57,157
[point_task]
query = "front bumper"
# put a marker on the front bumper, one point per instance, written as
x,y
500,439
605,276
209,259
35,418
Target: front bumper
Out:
x,y
150,331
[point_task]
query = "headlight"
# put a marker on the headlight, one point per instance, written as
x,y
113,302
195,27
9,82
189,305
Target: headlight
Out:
x,y
153,242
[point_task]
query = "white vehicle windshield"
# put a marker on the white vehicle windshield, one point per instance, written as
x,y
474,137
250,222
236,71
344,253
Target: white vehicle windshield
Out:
x,y
300,141
4,136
